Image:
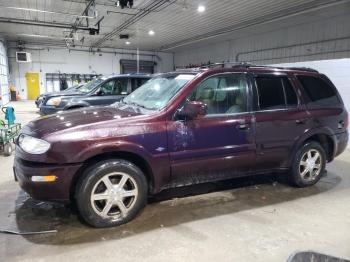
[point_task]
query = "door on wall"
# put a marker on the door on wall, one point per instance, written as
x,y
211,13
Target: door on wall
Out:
x,y
130,66
33,88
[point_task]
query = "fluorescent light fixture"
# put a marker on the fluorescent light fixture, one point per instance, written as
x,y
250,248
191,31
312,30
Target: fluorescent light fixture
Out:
x,y
201,8
127,43
45,36
47,12
151,32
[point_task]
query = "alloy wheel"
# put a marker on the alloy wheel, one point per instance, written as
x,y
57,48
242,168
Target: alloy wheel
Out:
x,y
310,165
114,195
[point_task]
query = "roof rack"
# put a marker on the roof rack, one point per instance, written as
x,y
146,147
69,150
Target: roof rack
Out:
x,y
248,65
227,65
307,69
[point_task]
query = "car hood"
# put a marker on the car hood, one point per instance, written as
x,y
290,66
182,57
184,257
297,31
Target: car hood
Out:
x,y
73,92
89,117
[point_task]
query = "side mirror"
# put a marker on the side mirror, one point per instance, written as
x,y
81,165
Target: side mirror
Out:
x,y
192,110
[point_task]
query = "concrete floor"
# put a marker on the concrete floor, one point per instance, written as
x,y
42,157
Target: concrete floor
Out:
x,y
254,219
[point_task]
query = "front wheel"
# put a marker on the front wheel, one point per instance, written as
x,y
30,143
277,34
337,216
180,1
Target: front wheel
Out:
x,y
8,149
111,193
308,165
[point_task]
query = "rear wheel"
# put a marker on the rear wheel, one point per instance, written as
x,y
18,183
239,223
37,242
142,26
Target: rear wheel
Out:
x,y
309,165
111,193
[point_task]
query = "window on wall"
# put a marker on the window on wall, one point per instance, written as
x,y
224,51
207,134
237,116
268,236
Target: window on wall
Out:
x,y
319,91
275,93
223,94
4,85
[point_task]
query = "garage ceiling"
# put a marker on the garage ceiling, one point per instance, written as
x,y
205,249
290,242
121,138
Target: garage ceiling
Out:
x,y
176,23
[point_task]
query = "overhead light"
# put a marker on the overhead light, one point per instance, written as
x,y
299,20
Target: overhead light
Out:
x,y
47,12
45,36
201,8
127,43
151,32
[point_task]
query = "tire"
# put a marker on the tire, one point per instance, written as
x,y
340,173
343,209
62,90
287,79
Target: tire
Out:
x,y
311,156
8,149
101,203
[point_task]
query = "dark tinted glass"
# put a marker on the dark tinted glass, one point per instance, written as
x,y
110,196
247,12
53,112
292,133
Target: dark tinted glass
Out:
x,y
319,91
137,82
270,93
291,96
121,86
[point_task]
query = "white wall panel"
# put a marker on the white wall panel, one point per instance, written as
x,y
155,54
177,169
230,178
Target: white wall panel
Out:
x,y
326,38
61,60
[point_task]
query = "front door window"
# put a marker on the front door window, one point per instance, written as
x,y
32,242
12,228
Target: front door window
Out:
x,y
223,94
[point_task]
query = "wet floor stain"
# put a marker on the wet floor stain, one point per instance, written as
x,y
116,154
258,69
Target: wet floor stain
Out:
x,y
169,208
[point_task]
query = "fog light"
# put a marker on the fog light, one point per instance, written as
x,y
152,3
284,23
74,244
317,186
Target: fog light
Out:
x,y
44,178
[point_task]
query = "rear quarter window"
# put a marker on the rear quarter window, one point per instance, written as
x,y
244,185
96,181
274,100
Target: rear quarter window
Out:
x,y
319,91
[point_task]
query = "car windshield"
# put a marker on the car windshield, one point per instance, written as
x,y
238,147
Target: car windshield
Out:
x,y
76,87
91,85
158,91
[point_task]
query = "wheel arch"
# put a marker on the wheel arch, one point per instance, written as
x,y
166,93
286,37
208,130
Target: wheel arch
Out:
x,y
132,157
323,136
75,106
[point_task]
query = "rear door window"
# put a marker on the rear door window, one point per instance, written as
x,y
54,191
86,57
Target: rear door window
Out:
x,y
319,91
291,96
137,82
275,93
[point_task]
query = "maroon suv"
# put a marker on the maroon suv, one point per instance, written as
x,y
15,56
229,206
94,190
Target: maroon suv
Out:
x,y
182,128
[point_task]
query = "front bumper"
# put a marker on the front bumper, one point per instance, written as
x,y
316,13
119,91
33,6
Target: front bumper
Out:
x,y
58,190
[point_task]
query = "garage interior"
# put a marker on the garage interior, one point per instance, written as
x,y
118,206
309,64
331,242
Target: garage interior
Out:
x,y
257,218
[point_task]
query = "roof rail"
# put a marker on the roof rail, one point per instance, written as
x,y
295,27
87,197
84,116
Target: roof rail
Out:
x,y
226,65
248,65
307,69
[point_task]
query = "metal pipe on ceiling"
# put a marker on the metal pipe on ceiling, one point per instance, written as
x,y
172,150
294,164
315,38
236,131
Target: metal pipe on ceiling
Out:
x,y
39,23
59,46
130,21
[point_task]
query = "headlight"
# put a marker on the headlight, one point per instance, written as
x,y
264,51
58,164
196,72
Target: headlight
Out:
x,y
56,101
33,145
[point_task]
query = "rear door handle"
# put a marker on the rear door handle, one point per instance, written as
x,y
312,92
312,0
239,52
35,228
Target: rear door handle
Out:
x,y
300,121
242,125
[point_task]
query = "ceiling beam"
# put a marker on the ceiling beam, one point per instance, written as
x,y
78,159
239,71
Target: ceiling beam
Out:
x,y
130,21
